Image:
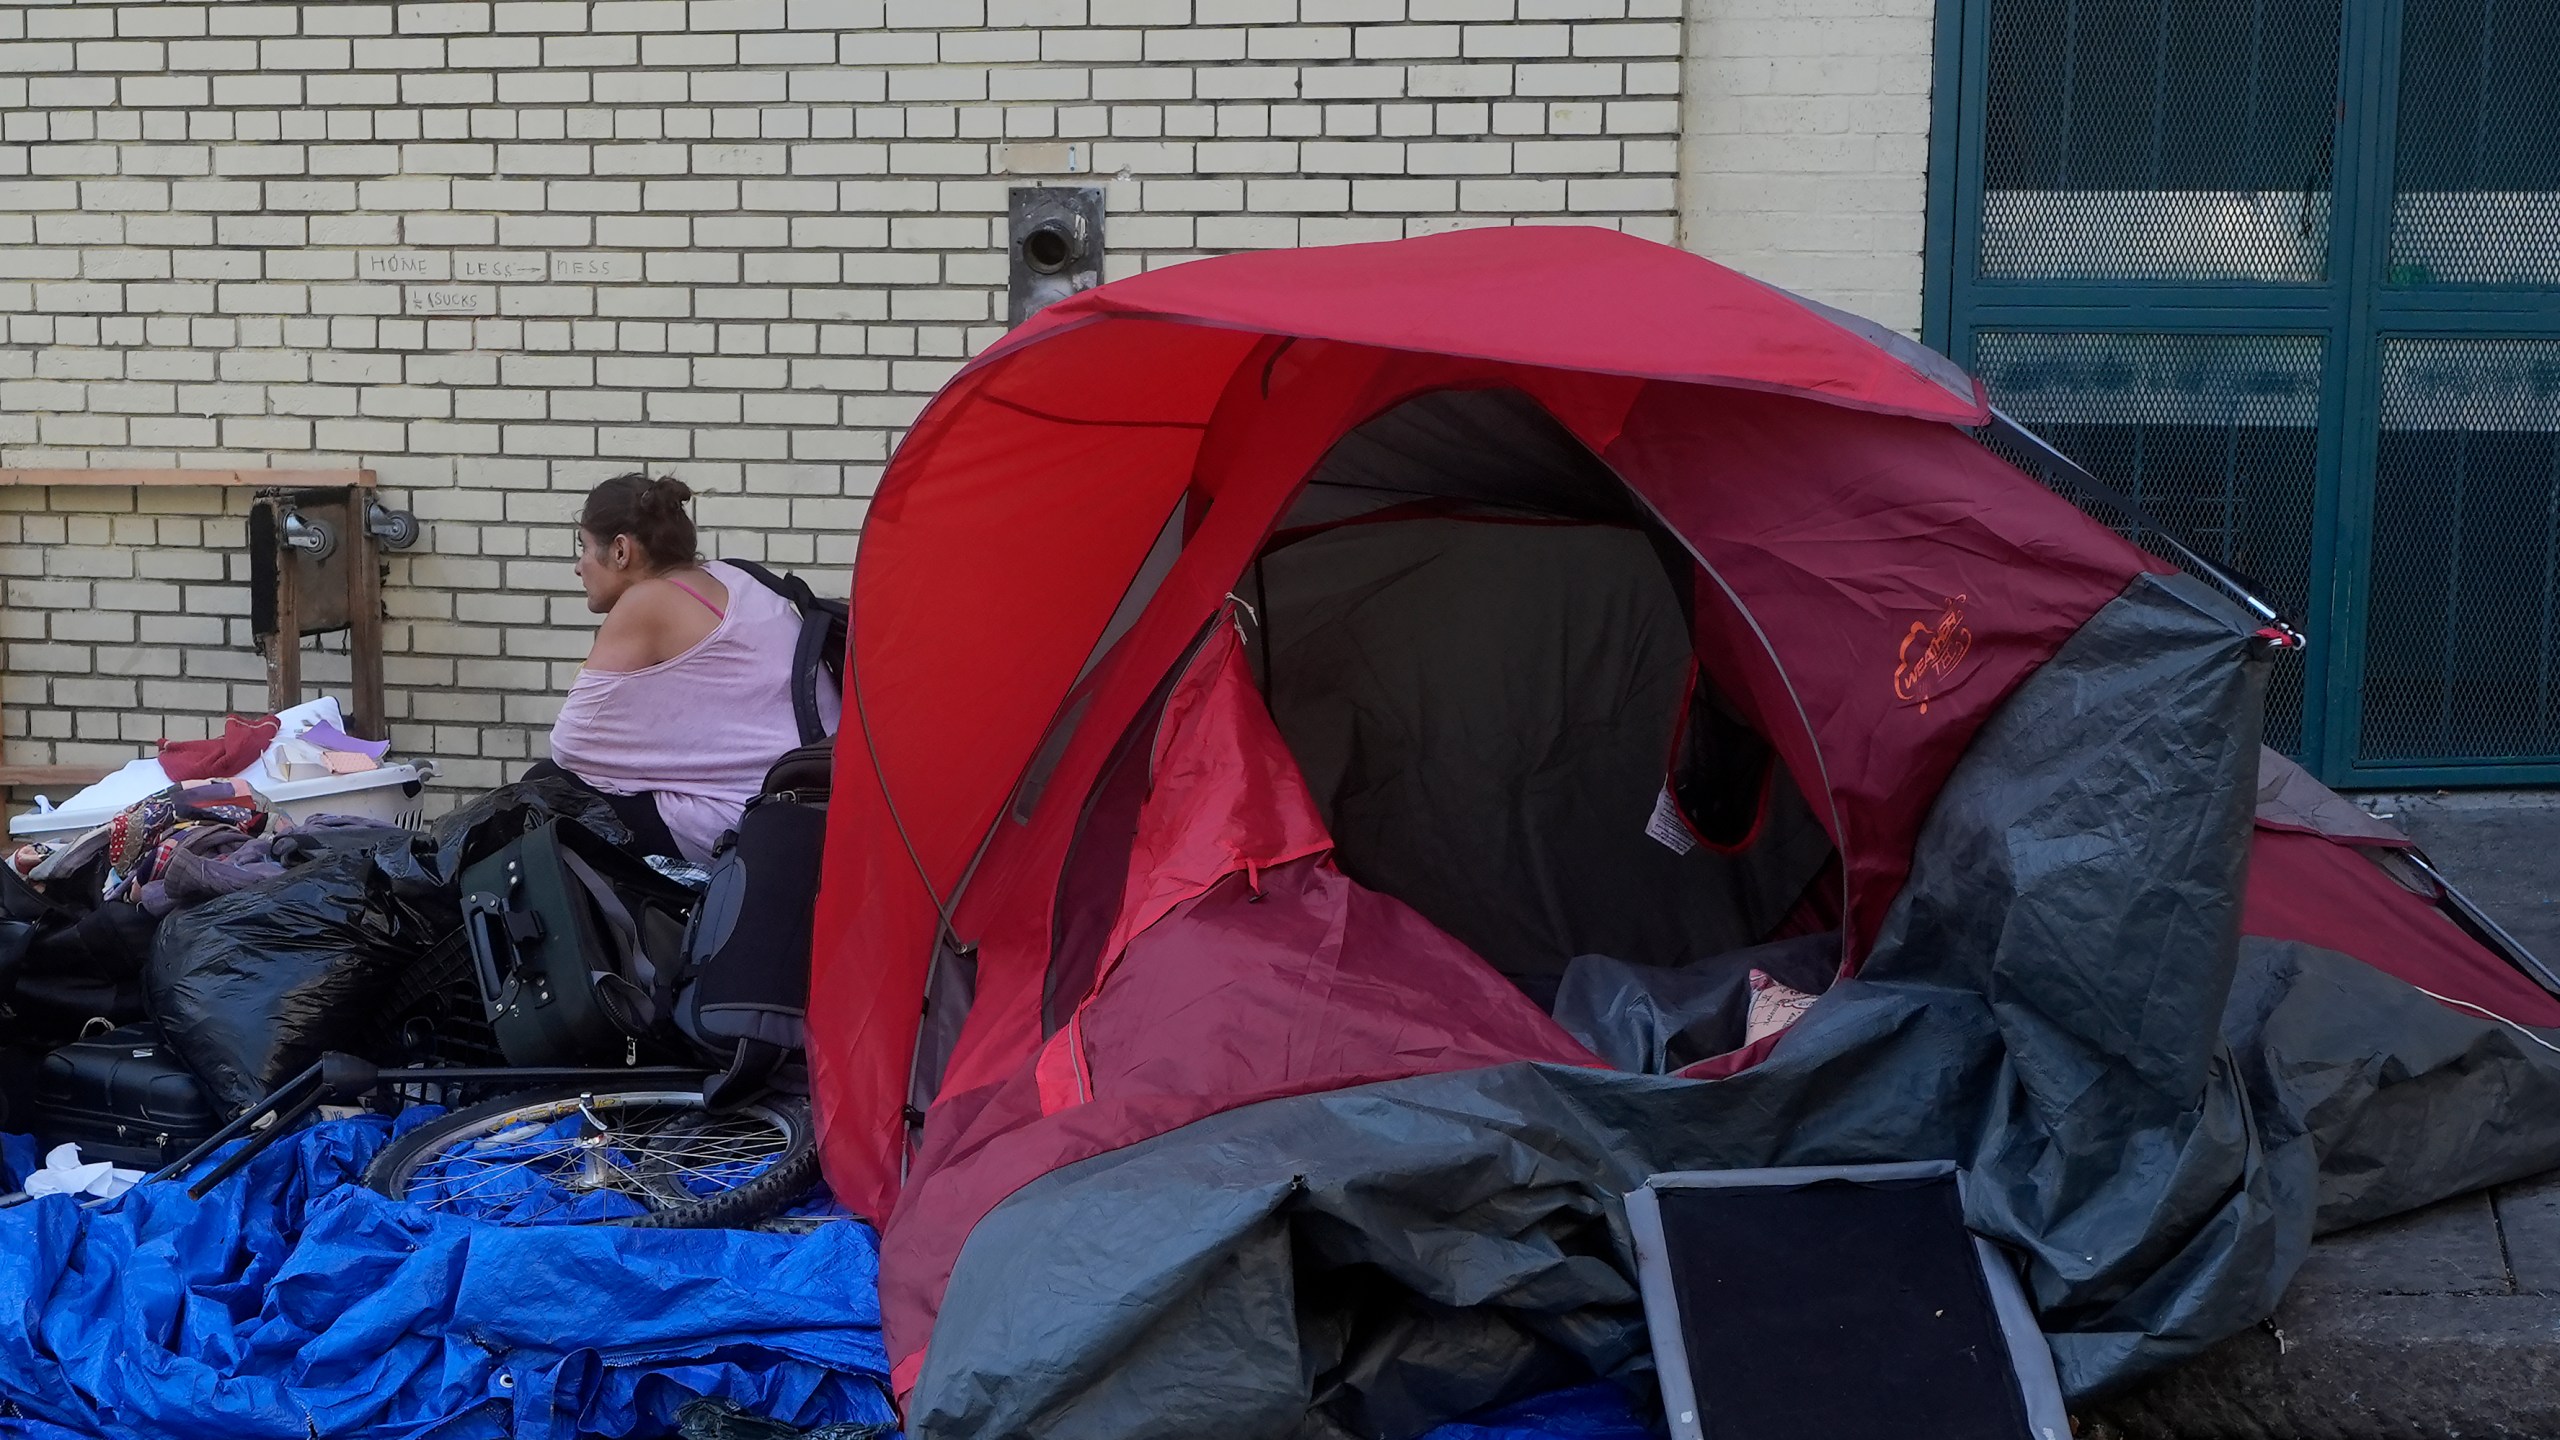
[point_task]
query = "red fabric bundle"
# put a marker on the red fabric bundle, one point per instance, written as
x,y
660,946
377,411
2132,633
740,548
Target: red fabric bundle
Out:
x,y
242,742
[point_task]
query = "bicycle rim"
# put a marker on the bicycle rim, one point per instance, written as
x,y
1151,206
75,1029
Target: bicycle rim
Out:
x,y
604,1157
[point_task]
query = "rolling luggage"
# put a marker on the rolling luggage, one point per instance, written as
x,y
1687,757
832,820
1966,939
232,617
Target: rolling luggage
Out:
x,y
589,957
577,946
123,1096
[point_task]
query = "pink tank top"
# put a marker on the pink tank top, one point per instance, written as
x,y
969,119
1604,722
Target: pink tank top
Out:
x,y
700,730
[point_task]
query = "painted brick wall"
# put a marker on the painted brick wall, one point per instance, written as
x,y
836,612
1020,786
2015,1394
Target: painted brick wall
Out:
x,y
1805,153
497,251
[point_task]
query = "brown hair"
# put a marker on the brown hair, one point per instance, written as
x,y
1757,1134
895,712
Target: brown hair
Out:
x,y
651,511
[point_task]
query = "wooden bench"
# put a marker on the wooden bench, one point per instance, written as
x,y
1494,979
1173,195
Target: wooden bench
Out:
x,y
284,660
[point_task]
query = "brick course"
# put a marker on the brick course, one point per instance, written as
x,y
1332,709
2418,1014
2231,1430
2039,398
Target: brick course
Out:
x,y
497,251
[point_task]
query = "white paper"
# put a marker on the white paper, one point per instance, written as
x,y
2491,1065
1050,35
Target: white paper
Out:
x,y
291,723
65,1174
1668,827
288,757
296,760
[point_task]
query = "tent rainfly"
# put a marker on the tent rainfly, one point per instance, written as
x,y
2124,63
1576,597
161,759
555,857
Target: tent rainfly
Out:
x,y
1348,748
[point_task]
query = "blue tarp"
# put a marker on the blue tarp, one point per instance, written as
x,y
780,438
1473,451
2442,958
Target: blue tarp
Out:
x,y
1593,1412
293,1302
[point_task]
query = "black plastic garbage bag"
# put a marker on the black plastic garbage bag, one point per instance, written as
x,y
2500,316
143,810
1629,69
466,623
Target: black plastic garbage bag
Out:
x,y
251,988
65,959
482,827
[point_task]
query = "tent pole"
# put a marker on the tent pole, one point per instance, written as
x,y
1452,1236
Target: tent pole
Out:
x,y
2515,952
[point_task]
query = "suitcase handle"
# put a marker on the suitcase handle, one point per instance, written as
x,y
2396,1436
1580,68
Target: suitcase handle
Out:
x,y
489,928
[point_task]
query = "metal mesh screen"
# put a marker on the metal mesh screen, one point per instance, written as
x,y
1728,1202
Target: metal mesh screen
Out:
x,y
2160,139
2476,186
2217,436
2463,633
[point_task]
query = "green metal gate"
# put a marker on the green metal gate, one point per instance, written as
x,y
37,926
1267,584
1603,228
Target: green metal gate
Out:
x,y
2288,271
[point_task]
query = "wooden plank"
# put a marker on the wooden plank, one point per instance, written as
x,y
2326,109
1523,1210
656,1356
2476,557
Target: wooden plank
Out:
x,y
364,623
30,776
284,648
282,479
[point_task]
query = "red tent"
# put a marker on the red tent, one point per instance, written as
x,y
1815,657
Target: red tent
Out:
x,y
1193,618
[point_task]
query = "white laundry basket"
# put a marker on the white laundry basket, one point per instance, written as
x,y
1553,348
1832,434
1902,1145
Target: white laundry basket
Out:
x,y
392,795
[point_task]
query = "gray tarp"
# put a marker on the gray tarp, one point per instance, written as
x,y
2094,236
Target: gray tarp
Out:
x,y
2156,1115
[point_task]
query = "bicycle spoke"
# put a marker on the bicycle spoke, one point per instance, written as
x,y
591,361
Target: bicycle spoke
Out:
x,y
743,1149
545,1162
485,1181
728,1182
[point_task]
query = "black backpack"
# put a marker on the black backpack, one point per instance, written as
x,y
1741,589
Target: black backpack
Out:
x,y
824,626
744,992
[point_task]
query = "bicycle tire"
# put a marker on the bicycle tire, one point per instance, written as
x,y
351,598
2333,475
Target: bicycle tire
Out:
x,y
771,1191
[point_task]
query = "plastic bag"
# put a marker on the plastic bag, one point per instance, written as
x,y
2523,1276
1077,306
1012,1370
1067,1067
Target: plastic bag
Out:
x,y
66,958
252,988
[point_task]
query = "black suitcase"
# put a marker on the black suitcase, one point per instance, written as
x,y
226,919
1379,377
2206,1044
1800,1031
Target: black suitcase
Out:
x,y
123,1096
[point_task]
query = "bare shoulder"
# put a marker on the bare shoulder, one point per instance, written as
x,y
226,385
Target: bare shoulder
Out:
x,y
652,623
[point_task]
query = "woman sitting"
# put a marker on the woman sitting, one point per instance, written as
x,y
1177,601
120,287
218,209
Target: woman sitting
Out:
x,y
685,699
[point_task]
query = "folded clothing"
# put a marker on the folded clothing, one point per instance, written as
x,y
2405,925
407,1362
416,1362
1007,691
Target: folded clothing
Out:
x,y
329,737
140,840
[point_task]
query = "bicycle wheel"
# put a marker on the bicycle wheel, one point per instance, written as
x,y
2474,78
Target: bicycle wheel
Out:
x,y
589,1155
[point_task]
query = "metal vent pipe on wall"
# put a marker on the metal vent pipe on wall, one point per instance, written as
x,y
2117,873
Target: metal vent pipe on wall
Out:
x,y
1054,240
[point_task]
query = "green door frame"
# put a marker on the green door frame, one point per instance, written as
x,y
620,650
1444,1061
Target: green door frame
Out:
x,y
2352,311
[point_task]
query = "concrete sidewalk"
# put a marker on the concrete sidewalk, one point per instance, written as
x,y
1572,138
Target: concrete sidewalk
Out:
x,y
2502,848
2445,1323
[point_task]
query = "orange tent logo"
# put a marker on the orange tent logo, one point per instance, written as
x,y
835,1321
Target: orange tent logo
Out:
x,y
1930,655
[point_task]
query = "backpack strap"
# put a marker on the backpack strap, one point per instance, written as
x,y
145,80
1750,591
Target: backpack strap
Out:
x,y
790,587
811,651
750,1074
629,959
637,994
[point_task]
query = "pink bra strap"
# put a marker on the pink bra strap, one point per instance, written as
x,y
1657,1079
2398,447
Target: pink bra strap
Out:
x,y
696,594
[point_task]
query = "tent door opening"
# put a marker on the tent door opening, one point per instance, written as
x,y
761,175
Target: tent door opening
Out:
x,y
1478,647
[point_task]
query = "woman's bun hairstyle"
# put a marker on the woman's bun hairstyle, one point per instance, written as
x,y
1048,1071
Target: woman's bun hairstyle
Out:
x,y
651,510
